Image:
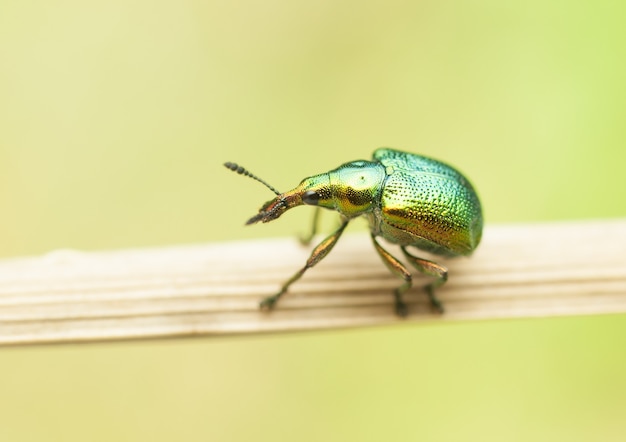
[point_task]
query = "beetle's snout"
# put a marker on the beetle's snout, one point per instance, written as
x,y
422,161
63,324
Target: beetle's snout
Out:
x,y
276,207
270,211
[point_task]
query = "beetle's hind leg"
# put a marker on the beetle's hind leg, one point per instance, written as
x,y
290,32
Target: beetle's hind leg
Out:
x,y
399,270
429,268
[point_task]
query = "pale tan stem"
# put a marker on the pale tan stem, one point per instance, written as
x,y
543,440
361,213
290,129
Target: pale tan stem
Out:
x,y
551,269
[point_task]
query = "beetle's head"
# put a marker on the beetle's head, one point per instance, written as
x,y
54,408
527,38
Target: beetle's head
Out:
x,y
351,189
314,191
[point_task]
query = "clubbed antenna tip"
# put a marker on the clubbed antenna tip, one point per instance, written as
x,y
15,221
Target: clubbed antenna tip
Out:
x,y
242,171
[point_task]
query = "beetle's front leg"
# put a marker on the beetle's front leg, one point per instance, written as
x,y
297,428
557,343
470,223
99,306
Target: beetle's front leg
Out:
x,y
429,268
306,240
398,269
317,255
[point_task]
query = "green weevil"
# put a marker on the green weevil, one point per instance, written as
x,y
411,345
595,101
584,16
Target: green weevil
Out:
x,y
408,199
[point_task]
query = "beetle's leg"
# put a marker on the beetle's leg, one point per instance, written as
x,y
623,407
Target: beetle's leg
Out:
x,y
306,240
399,270
319,253
431,269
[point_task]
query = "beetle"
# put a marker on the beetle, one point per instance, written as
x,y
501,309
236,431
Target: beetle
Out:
x,y
408,199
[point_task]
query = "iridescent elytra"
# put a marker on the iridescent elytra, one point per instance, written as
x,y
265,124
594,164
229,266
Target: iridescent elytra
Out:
x,y
408,199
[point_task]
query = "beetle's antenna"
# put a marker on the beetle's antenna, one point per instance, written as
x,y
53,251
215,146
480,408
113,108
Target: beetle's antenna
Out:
x,y
241,171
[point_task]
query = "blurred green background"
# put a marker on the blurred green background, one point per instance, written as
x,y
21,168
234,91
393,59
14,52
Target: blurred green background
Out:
x,y
115,118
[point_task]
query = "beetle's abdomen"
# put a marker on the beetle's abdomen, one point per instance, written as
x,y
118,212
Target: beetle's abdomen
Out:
x,y
436,212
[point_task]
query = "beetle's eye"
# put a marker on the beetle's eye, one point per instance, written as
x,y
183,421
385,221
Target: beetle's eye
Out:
x,y
310,197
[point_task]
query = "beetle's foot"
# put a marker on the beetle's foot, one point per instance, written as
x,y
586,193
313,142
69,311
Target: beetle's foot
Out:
x,y
305,240
268,303
401,309
435,303
438,307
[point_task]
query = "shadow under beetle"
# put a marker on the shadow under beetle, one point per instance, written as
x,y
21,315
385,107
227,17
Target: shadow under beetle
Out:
x,y
408,199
